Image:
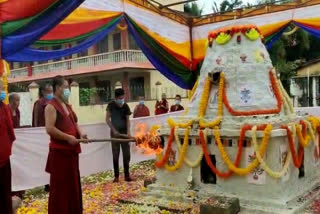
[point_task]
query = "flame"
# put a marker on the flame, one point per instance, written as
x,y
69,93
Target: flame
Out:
x,y
148,141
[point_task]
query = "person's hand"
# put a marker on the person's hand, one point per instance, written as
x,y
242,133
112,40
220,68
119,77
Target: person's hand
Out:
x,y
72,140
115,133
84,138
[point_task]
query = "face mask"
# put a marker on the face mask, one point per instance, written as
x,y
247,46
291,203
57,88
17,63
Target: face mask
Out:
x,y
3,96
120,101
141,102
66,94
49,97
178,102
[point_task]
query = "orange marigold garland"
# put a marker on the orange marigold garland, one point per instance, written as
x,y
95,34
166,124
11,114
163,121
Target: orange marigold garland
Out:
x,y
243,131
256,112
165,158
297,161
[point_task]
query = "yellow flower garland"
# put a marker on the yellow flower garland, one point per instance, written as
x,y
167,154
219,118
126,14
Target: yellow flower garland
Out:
x,y
254,164
182,154
191,93
173,124
310,131
217,121
263,164
314,121
286,96
186,160
303,141
204,98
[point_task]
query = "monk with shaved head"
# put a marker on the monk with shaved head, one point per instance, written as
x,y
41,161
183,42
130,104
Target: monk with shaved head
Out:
x,y
6,139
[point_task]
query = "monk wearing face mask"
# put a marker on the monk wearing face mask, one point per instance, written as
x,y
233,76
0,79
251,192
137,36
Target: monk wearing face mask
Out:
x,y
65,195
177,106
6,139
117,118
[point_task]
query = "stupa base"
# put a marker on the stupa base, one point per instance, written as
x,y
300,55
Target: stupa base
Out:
x,y
178,200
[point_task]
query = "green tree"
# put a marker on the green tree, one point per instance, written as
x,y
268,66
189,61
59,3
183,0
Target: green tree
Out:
x,y
226,5
193,9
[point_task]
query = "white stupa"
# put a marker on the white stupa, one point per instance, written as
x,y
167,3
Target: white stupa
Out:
x,y
238,78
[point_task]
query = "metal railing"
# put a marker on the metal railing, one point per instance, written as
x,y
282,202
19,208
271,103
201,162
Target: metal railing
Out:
x,y
135,56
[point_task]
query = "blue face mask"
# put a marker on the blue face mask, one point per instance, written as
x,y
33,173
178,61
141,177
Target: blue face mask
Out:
x,y
66,94
49,96
120,101
3,96
178,102
141,102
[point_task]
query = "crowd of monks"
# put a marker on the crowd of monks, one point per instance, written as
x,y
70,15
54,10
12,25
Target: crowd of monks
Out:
x,y
53,112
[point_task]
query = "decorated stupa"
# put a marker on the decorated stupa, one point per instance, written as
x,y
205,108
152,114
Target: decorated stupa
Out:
x,y
240,137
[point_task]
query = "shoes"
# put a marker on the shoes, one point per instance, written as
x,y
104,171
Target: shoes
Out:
x,y
116,180
128,179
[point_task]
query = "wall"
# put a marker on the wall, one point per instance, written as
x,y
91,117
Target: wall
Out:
x,y
97,113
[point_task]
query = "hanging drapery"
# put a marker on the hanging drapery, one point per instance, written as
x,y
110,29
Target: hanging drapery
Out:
x,y
31,54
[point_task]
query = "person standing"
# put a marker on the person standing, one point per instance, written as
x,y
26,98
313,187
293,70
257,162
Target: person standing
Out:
x,y
117,118
14,103
162,106
141,110
45,95
177,106
65,195
7,138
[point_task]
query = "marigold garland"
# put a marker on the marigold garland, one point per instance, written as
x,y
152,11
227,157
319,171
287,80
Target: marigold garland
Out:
x,y
186,160
173,124
302,136
286,96
243,131
256,112
191,93
314,121
204,98
182,153
254,164
310,131
217,121
263,164
165,158
297,161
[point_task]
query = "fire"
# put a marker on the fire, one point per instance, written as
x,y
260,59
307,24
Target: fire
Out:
x,y
148,141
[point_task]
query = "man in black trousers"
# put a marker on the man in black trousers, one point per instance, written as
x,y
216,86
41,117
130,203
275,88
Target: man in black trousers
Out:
x,y
118,113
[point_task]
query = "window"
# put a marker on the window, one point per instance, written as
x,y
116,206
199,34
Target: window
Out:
x,y
136,87
104,91
132,43
102,46
116,41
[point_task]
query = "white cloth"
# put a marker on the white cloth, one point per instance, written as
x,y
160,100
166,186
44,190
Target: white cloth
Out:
x,y
30,151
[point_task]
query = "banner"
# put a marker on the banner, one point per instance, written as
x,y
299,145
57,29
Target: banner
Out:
x,y
30,151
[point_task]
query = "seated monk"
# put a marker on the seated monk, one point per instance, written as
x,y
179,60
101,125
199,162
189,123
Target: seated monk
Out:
x,y
141,110
6,139
65,195
162,107
177,106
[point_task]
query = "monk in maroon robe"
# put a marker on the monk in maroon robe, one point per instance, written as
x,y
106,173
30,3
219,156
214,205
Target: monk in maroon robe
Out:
x,y
65,195
162,106
6,139
14,103
46,94
141,110
177,106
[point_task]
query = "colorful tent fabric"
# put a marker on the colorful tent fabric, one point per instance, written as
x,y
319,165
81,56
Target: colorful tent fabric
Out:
x,y
166,43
